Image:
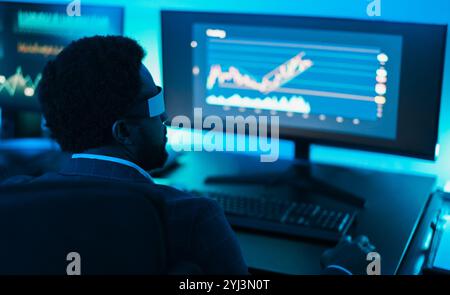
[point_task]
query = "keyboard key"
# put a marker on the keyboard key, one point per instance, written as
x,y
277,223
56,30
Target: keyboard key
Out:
x,y
299,219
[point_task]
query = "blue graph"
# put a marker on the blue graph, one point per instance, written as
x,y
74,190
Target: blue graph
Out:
x,y
336,78
332,80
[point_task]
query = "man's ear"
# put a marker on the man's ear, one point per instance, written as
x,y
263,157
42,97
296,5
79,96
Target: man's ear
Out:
x,y
121,132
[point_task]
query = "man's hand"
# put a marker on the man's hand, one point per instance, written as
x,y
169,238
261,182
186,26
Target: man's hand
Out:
x,y
349,254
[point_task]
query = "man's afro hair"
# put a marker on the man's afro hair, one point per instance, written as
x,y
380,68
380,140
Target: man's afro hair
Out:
x,y
87,87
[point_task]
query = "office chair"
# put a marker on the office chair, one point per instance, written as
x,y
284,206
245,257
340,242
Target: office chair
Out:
x,y
116,228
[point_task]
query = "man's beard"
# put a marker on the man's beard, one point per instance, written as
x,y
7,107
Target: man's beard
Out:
x,y
154,158
163,158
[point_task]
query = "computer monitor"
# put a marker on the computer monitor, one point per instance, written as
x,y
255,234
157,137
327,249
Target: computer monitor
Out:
x,y
30,35
370,85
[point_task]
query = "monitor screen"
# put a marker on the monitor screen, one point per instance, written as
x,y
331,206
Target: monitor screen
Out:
x,y
315,79
31,34
366,84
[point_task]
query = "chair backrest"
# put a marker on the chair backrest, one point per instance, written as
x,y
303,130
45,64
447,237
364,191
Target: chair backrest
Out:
x,y
114,227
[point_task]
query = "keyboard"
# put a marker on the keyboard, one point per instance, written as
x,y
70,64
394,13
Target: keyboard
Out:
x,y
296,219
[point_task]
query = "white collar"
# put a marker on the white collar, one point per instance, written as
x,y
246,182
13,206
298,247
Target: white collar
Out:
x,y
115,160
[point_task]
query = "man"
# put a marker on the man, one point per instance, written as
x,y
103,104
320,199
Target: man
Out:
x,y
101,104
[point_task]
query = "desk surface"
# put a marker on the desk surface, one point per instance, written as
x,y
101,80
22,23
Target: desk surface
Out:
x,y
394,205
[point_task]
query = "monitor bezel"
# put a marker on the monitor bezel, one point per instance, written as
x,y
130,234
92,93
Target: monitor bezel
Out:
x,y
308,136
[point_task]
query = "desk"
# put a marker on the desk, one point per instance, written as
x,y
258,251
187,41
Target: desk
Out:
x,y
394,205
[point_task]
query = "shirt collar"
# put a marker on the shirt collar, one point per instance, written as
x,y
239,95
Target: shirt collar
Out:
x,y
114,160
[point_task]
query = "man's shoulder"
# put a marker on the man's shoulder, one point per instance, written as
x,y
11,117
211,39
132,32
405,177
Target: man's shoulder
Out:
x,y
173,195
175,200
18,179
26,179
183,205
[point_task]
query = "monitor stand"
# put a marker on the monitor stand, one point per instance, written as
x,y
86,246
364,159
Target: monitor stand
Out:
x,y
299,176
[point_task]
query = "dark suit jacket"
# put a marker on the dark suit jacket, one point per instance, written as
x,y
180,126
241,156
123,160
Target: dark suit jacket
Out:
x,y
196,228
